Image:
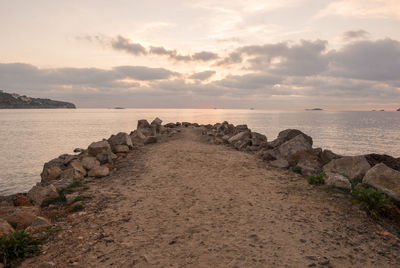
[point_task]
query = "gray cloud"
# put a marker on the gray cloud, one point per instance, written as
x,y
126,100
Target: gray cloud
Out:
x,y
144,73
350,35
250,81
202,75
205,56
124,44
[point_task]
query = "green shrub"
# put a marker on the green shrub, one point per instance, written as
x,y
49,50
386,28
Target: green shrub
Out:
x,y
13,224
374,201
316,179
80,198
296,169
16,246
78,207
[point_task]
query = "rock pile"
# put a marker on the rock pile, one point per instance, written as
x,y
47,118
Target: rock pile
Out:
x,y
294,149
96,161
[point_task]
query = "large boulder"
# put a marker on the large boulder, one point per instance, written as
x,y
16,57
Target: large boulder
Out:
x,y
258,139
225,129
327,156
384,178
295,145
22,216
145,128
53,169
120,149
102,151
388,160
137,137
143,123
241,136
354,167
337,180
89,162
287,135
310,164
280,163
40,194
5,228
120,139
99,147
98,172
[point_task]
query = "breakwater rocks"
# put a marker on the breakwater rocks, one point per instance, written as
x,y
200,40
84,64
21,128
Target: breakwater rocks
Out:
x,y
63,179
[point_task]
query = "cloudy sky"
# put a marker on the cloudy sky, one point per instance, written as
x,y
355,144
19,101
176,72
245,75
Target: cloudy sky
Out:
x,y
288,54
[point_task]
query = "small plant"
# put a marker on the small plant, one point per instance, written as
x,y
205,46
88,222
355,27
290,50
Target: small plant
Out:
x,y
296,169
316,179
80,198
78,207
372,200
13,224
16,246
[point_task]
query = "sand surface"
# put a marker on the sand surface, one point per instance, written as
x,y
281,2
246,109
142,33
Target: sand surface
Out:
x,y
186,203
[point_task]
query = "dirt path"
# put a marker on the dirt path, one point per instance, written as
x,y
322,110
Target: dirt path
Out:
x,y
185,203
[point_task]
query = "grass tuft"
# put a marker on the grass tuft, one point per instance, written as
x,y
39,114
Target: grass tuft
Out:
x,y
316,179
296,169
372,200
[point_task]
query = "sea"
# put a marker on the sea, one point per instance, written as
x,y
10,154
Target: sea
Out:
x,y
29,138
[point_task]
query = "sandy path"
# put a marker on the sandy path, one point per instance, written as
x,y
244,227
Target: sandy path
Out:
x,y
187,203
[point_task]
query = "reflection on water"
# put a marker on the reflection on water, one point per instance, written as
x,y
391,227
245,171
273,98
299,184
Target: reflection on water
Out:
x,y
28,138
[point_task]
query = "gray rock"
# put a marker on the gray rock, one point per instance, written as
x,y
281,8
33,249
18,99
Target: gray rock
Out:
x,y
89,162
150,139
280,163
63,182
106,157
157,122
337,180
72,173
40,194
298,144
121,149
287,135
327,156
143,123
170,125
99,172
99,147
257,139
121,138
245,135
77,165
353,167
384,178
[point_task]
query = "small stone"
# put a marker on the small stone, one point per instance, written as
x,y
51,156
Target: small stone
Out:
x,y
98,172
40,222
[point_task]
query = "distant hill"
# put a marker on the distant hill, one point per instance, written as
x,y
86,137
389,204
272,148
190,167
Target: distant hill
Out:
x,y
314,109
15,101
398,110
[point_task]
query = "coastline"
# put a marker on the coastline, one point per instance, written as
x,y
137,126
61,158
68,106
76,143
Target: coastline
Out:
x,y
119,157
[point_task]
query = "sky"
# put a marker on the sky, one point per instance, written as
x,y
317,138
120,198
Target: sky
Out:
x,y
275,55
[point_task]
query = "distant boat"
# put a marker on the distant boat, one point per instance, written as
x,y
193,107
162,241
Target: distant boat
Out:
x,y
119,108
381,110
314,109
251,108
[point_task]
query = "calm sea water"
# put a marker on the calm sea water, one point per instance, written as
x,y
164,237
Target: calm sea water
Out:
x,y
29,138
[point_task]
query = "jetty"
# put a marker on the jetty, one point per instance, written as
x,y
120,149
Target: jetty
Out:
x,y
190,195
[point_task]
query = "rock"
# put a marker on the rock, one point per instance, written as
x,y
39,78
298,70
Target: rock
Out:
x,y
100,171
257,139
5,228
225,138
353,167
156,122
240,128
384,178
298,144
50,174
143,123
99,147
40,194
287,135
218,141
120,139
77,165
317,152
106,157
388,160
225,129
280,163
79,150
150,139
121,149
63,182
327,156
310,164
245,135
22,216
89,162
241,145
69,198
337,180
72,173
40,222
21,201
267,155
170,125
